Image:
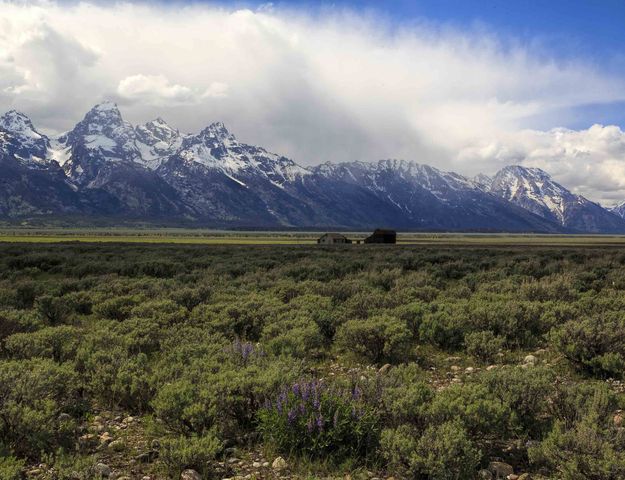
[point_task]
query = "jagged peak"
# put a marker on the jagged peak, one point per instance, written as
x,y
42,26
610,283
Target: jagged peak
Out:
x,y
16,119
521,170
15,114
105,106
217,130
159,121
106,111
159,124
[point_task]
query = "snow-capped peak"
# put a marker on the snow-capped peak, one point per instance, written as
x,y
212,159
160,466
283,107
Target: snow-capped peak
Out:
x,y
101,137
217,149
157,130
535,190
22,140
18,123
156,140
105,106
218,131
101,115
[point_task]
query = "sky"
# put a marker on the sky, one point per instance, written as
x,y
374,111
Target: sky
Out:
x,y
462,85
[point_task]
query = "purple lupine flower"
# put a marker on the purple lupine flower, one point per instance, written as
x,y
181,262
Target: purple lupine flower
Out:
x,y
316,403
296,389
302,408
306,392
356,393
291,416
320,422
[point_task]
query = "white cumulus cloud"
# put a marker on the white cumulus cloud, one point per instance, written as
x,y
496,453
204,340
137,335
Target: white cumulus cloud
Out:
x,y
158,90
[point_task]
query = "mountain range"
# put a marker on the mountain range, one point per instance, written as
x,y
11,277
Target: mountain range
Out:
x,y
106,168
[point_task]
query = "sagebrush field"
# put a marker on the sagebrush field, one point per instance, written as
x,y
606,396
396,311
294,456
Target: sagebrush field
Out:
x,y
425,362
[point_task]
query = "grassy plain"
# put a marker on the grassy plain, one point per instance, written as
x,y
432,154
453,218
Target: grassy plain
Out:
x,y
425,361
225,237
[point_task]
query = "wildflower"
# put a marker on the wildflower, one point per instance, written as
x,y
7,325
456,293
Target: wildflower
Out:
x,y
320,422
291,416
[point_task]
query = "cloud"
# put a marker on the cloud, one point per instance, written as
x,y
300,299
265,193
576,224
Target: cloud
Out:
x,y
335,86
216,90
592,160
158,90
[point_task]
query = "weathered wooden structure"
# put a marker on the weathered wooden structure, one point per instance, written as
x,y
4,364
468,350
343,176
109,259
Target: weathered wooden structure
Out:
x,y
333,239
381,235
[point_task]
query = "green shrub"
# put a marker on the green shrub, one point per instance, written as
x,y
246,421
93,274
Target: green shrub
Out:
x,y
444,328
17,321
58,343
52,310
114,376
378,339
33,395
446,451
528,392
483,414
441,452
595,344
11,468
195,452
191,297
483,345
587,450
237,318
398,447
299,337
222,394
405,395
116,308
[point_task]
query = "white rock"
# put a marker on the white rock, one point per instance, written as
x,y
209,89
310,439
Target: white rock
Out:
x,y
279,464
190,475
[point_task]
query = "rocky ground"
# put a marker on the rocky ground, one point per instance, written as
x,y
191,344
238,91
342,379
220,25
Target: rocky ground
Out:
x,y
121,447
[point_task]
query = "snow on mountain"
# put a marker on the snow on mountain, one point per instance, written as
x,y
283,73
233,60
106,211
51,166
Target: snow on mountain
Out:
x,y
22,140
149,171
482,181
433,199
535,190
437,182
100,138
618,209
217,149
156,141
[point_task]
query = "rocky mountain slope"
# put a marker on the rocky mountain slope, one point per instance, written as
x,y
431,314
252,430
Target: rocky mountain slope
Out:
x,y
534,190
107,167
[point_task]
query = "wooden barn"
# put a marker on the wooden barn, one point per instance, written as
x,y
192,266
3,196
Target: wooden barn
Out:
x,y
381,235
333,239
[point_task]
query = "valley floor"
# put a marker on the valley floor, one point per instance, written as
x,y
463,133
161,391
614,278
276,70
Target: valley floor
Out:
x,y
227,237
141,355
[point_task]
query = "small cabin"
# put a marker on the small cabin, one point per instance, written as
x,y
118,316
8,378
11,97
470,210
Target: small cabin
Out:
x,y
333,239
381,235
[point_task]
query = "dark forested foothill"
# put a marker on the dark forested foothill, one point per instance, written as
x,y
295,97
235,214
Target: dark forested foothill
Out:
x,y
134,361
